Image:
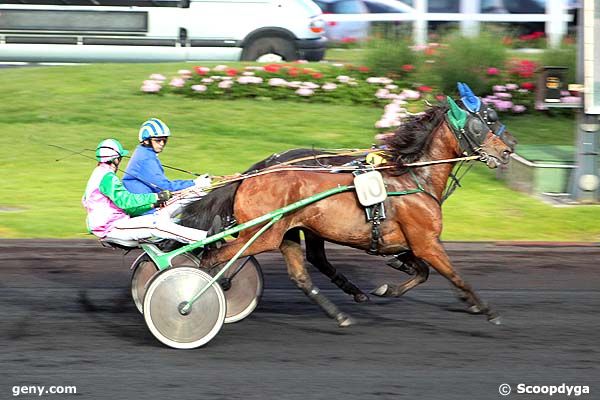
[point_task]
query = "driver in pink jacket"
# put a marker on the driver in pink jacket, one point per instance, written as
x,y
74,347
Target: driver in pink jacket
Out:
x,y
115,213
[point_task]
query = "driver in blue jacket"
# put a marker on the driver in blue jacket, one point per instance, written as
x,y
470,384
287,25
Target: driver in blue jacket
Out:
x,y
145,165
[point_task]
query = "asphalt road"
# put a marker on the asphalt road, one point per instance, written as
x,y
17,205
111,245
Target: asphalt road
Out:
x,y
67,319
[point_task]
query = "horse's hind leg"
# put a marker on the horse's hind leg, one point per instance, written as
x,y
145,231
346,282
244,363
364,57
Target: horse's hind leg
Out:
x,y
315,254
433,252
292,252
419,269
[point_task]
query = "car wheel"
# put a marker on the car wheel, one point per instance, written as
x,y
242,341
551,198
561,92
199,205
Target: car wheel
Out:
x,y
270,49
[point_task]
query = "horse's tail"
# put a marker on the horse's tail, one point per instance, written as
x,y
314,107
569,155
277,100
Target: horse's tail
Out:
x,y
200,214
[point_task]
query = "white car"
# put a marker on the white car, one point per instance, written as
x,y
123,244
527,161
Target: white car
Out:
x,y
160,30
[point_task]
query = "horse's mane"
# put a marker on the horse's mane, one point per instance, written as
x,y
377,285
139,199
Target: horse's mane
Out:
x,y
412,138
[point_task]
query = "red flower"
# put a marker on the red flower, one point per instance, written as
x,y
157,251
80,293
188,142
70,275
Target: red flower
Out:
x,y
408,67
493,71
272,68
425,89
528,85
363,69
292,72
317,75
231,71
201,70
440,97
348,40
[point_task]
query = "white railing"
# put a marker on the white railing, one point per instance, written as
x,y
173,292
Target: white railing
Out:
x,y
556,19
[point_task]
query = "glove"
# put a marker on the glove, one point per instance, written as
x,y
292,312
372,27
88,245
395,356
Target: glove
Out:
x,y
203,181
163,196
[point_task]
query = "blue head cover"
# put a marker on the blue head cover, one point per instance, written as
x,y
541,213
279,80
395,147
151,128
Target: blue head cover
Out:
x,y
471,102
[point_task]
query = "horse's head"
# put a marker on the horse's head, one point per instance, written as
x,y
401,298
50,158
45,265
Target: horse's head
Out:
x,y
479,130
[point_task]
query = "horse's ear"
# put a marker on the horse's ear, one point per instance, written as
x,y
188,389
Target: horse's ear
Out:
x,y
472,102
456,115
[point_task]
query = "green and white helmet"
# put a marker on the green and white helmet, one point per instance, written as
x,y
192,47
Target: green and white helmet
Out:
x,y
109,149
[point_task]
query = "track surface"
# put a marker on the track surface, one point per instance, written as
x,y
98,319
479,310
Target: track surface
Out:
x,y
67,319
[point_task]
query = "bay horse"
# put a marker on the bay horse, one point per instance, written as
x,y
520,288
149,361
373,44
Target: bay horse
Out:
x,y
413,221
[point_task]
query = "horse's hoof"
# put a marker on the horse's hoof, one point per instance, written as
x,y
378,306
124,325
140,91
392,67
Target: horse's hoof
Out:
x,y
495,319
361,298
344,320
381,291
474,309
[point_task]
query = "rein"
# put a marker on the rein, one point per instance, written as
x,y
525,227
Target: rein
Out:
x,y
226,179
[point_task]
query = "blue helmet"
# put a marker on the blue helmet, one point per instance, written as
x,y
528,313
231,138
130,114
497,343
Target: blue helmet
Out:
x,y
154,127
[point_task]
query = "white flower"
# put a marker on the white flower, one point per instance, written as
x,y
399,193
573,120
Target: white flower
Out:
x,y
382,93
302,62
225,84
158,77
199,88
391,87
373,80
303,91
343,78
338,65
151,87
352,83
294,84
207,80
248,73
177,82
410,94
185,73
310,85
329,86
220,68
151,82
383,123
512,86
277,82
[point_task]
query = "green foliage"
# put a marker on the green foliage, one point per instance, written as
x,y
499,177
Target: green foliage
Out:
x,y
77,106
462,59
388,57
565,56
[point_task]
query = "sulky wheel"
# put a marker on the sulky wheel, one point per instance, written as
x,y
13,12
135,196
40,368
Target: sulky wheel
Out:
x,y
243,287
166,295
144,269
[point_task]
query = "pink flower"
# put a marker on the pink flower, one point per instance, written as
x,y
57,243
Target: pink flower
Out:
x,y
152,87
202,70
499,88
512,86
425,89
408,67
158,77
177,82
225,84
303,91
382,93
570,100
199,88
518,108
277,82
493,71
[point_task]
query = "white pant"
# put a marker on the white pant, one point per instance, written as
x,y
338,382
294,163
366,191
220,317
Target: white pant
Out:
x,y
159,224
155,225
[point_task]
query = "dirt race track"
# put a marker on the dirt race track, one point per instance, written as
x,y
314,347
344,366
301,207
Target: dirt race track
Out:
x,y
67,319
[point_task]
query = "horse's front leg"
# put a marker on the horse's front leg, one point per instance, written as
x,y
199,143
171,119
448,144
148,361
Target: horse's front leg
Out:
x,y
292,253
433,252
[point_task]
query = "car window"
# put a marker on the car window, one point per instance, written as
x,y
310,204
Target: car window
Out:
x,y
348,7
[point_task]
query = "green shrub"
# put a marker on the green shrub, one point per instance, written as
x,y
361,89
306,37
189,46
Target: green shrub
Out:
x,y
565,56
464,59
387,57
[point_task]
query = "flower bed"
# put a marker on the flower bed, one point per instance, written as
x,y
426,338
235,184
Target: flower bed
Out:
x,y
511,86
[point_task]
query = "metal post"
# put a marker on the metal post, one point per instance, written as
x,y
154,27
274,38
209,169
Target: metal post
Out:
x,y
420,23
556,25
585,182
470,28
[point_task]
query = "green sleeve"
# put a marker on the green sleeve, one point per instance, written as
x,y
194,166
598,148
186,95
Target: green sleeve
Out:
x,y
133,204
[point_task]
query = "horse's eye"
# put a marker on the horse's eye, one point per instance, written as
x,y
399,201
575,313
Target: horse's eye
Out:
x,y
492,115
